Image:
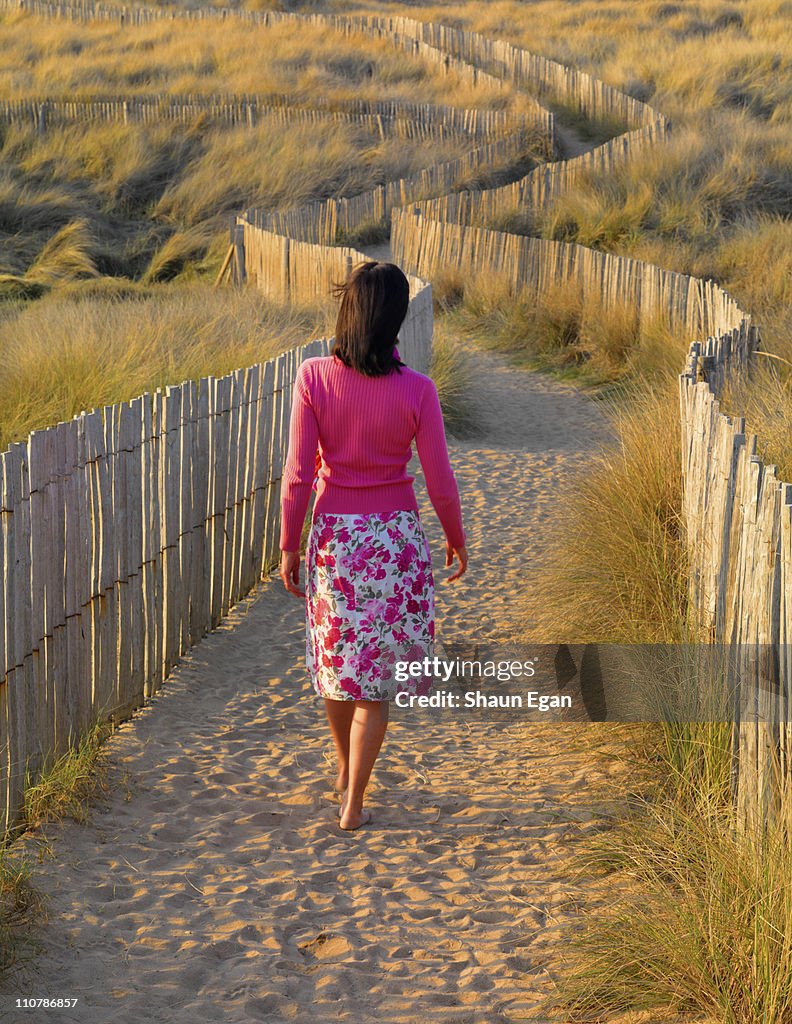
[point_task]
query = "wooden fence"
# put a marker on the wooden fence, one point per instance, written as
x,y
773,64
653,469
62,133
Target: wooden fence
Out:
x,y
127,533
737,514
425,247
322,221
541,185
403,120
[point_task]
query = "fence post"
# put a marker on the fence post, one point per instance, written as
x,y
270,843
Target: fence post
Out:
x,y
240,274
285,272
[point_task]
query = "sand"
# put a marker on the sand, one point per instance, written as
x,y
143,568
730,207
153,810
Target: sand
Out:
x,y
214,883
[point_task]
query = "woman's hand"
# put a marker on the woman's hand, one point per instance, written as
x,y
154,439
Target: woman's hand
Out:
x,y
290,572
461,554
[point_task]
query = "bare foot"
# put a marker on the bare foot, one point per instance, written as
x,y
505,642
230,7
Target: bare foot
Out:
x,y
341,782
342,804
349,822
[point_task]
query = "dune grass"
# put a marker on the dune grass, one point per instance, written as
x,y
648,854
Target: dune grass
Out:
x,y
679,56
677,204
22,906
695,916
60,58
451,371
715,201
154,201
698,918
615,566
71,781
765,399
67,787
701,917
559,330
90,345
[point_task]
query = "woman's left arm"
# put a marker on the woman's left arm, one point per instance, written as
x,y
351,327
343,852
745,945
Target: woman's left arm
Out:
x,y
298,474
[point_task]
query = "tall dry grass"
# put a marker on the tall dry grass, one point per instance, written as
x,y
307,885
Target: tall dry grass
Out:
x,y
765,399
698,919
560,330
60,58
696,914
153,201
452,373
614,570
679,56
716,200
84,346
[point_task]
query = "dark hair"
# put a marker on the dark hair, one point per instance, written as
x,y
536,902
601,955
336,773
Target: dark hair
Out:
x,y
374,301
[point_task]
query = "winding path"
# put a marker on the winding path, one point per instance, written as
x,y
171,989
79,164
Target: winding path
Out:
x,y
215,884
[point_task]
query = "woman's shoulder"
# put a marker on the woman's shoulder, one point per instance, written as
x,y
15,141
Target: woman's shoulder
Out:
x,y
419,382
316,362
313,367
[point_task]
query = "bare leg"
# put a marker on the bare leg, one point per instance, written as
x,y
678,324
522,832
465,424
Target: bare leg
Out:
x,y
339,715
369,722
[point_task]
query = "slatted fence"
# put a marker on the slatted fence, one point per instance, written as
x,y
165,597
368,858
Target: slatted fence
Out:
x,y
127,533
322,221
386,118
738,516
537,189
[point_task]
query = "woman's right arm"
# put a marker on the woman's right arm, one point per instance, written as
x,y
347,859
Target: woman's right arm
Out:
x,y
300,464
441,485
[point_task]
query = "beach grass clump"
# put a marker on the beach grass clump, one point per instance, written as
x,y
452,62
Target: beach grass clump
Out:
x,y
559,329
452,373
367,232
764,398
68,783
65,787
98,342
615,570
755,258
698,919
65,256
21,907
448,289
182,253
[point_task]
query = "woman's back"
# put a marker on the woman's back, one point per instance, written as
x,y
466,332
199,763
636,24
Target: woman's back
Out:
x,y
363,428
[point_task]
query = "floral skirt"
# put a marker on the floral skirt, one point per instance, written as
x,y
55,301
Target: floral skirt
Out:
x,y
369,594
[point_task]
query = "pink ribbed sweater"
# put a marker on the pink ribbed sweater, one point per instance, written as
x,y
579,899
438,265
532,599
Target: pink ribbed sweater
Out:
x,y
363,428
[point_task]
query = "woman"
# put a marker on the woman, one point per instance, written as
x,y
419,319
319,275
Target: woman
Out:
x,y
369,585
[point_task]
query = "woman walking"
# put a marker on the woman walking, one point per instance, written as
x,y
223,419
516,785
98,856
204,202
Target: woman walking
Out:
x,y
369,590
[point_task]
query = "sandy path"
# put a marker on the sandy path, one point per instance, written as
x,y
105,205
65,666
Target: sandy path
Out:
x,y
218,886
